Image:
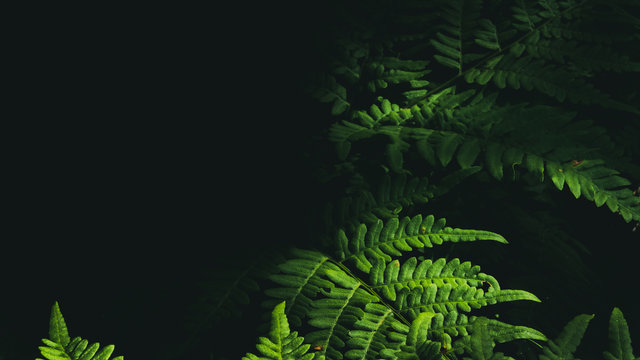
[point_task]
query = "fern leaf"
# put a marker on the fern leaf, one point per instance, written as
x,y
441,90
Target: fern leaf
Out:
x,y
371,333
567,342
468,153
619,338
58,331
502,332
444,327
384,201
487,36
333,92
302,279
282,344
419,328
525,15
481,343
439,286
337,312
61,347
381,240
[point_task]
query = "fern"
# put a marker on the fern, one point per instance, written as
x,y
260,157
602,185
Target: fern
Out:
x,y
356,319
396,236
569,339
509,136
282,344
619,339
59,346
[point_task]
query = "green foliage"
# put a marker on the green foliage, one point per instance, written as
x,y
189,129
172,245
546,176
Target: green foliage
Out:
x,y
383,240
59,346
282,344
619,339
422,96
564,346
429,95
401,306
551,48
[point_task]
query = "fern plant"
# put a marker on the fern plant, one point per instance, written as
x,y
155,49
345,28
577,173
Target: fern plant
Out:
x,y
60,346
422,96
564,346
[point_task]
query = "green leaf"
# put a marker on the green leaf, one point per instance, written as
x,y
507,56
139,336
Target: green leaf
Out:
x,y
572,180
481,343
341,278
556,174
619,338
279,324
572,334
468,153
57,326
447,62
493,158
419,328
447,148
282,344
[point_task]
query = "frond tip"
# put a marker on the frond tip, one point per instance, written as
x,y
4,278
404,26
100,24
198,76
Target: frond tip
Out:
x,y
59,346
282,344
384,240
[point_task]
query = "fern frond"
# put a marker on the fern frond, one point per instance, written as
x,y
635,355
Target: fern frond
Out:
x,y
382,240
480,341
337,312
526,16
460,31
334,93
282,344
384,201
539,138
445,327
373,333
587,58
567,342
301,278
58,331
439,286
60,346
619,338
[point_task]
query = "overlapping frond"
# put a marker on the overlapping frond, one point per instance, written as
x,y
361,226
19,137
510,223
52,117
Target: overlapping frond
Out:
x,y
60,346
382,240
282,343
358,319
337,312
375,333
540,139
386,200
300,278
439,286
569,339
567,342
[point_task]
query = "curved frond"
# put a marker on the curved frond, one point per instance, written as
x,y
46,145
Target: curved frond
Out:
x,y
439,286
382,240
567,342
60,346
619,338
282,343
301,279
337,312
373,333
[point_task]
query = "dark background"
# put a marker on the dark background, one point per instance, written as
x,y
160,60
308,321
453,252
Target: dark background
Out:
x,y
147,144
150,144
